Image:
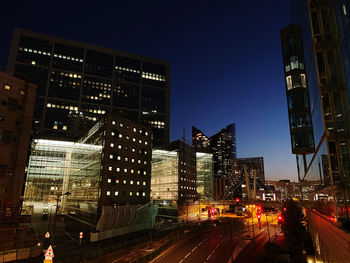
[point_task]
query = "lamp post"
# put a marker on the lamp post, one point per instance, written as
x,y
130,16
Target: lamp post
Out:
x,y
54,221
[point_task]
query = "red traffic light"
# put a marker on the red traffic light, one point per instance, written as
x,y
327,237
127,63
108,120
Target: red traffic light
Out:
x,y
259,216
212,211
280,218
284,209
237,200
259,207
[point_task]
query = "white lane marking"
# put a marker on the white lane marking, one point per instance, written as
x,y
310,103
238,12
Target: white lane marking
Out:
x,y
208,257
187,255
194,248
181,260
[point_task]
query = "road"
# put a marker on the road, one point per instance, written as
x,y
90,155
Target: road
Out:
x,y
214,245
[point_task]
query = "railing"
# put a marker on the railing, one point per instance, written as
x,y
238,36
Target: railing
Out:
x,y
331,243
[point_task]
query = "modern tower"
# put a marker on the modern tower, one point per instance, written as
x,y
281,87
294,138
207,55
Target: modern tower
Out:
x,y
78,83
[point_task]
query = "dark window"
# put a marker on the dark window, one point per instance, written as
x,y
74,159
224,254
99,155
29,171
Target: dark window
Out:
x,y
333,155
320,63
337,105
315,24
12,104
7,136
325,20
2,171
326,107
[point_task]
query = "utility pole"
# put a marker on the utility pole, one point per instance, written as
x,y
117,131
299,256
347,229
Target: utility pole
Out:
x,y
247,182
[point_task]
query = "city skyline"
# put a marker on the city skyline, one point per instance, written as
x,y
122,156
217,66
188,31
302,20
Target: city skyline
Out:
x,y
210,53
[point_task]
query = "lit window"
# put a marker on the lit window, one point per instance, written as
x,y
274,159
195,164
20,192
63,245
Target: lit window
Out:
x,y
118,169
289,82
120,136
124,181
109,180
126,159
110,168
119,146
33,62
144,173
145,162
113,122
111,156
22,92
131,182
55,127
112,145
116,193
138,172
64,127
143,194
125,170
112,133
146,133
117,181
121,124
132,160
146,143
133,139
119,158
144,183
140,141
7,87
138,161
344,10
137,193
134,129
108,192
138,182
133,150
130,193
132,171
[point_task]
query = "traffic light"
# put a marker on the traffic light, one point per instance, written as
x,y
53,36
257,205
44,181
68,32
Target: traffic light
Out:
x,y
258,216
284,209
280,219
237,200
259,208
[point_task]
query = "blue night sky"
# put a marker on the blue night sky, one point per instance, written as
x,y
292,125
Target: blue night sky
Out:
x,y
226,63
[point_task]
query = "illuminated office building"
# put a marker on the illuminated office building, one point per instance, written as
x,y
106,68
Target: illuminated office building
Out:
x,y
205,175
78,83
174,174
322,28
223,147
109,167
17,99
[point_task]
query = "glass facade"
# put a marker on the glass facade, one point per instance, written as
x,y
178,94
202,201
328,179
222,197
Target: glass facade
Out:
x,y
165,178
205,175
52,165
325,29
78,83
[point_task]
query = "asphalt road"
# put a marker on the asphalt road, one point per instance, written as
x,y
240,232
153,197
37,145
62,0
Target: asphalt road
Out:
x,y
213,245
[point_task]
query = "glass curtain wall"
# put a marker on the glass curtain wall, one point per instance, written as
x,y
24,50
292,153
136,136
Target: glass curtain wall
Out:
x,y
205,177
164,180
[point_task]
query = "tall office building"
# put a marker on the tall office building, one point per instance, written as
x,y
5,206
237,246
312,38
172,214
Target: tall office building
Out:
x,y
17,99
78,83
324,27
223,147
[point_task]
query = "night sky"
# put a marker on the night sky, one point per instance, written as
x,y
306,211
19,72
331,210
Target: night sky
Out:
x,y
226,63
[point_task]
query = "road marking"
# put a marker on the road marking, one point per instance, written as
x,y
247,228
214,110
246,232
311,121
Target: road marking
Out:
x,y
181,260
194,248
187,255
208,257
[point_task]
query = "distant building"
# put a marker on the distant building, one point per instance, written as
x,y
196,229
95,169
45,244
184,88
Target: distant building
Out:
x,y
17,99
223,147
254,167
78,83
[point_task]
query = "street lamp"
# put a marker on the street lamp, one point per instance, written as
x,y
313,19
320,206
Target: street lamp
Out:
x,y
54,222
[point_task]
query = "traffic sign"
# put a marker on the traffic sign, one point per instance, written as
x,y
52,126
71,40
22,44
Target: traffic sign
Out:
x,y
49,253
47,235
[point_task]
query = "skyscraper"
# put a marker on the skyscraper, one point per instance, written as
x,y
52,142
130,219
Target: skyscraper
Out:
x,y
223,147
78,83
324,27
